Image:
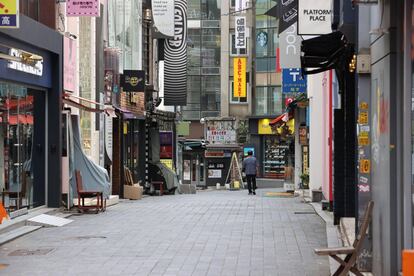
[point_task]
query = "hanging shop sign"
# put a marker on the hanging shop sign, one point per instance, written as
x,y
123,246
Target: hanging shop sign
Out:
x,y
175,59
364,166
363,106
303,135
363,138
289,43
9,14
69,64
288,14
239,67
305,160
108,136
240,5
133,81
82,7
240,30
163,16
315,17
293,81
30,63
363,118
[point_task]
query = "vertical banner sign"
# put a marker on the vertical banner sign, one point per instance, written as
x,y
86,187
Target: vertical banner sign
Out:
x,y
289,43
82,8
175,59
315,17
133,81
239,65
69,64
163,15
288,14
240,26
240,5
9,14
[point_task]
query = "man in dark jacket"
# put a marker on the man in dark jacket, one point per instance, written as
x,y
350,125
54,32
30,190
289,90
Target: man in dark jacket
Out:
x,y
250,169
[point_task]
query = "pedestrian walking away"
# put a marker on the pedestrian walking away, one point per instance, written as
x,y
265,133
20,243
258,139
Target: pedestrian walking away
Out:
x,y
250,169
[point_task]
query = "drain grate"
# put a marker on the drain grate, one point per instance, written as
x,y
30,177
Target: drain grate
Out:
x,y
304,213
28,252
88,237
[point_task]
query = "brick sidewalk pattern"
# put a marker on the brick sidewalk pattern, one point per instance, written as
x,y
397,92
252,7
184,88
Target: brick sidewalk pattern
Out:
x,y
209,233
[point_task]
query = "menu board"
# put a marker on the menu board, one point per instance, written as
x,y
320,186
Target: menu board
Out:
x,y
274,160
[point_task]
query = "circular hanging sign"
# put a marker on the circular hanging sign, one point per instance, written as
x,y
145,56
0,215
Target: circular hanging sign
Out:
x,y
261,38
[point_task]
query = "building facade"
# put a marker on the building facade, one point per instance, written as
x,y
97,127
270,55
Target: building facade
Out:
x,y
31,92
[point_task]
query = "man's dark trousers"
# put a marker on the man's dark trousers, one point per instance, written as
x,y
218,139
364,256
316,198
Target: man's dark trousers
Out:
x,y
251,179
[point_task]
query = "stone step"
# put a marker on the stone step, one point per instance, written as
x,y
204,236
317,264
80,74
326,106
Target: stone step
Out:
x,y
16,233
48,221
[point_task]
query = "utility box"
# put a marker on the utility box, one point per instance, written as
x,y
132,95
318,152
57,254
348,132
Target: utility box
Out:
x,y
364,64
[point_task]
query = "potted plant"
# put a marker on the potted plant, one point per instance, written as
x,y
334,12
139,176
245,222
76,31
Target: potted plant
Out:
x,y
305,180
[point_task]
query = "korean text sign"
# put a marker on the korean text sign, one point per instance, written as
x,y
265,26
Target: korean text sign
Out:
x,y
9,14
82,8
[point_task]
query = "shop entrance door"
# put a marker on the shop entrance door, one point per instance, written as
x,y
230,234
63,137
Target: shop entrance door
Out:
x,y
197,170
21,147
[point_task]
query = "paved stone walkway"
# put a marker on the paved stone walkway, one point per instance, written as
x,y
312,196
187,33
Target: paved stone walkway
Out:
x,y
209,233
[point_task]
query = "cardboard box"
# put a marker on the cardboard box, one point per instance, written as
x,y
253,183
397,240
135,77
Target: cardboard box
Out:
x,y
133,192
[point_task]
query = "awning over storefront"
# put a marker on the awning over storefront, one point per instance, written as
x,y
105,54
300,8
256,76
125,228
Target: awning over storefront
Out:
x,y
128,115
235,147
281,119
192,144
76,101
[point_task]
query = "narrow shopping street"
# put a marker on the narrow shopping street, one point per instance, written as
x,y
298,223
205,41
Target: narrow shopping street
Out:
x,y
209,233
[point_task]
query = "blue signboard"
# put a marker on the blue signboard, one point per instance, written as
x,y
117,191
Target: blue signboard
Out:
x,y
293,82
247,149
9,14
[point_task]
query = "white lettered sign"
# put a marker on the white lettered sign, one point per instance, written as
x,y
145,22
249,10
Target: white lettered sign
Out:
x,y
315,17
240,26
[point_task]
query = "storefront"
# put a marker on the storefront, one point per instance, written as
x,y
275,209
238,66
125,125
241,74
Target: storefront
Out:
x,y
30,100
193,163
274,150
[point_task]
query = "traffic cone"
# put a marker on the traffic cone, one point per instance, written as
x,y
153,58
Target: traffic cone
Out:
x,y
3,213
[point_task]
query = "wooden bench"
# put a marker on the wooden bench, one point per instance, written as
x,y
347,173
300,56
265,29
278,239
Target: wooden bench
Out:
x,y
349,262
82,194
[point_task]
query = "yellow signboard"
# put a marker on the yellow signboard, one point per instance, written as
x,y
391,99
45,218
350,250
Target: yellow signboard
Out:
x,y
264,127
9,14
363,138
239,90
363,106
364,166
168,163
363,118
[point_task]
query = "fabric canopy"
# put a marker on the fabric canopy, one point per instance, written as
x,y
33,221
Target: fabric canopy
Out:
x,y
94,177
281,119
